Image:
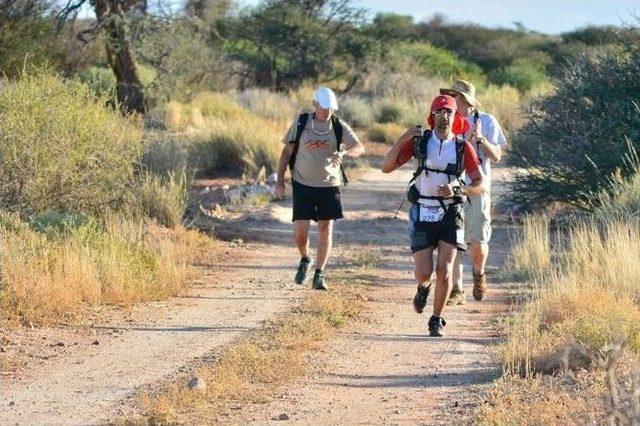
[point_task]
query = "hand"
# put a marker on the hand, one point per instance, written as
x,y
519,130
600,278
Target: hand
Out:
x,y
476,132
336,158
445,191
411,133
280,190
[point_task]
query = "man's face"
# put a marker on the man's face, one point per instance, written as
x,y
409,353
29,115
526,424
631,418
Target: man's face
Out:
x,y
322,113
443,119
461,102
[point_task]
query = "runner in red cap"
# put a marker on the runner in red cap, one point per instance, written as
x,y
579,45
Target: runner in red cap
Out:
x,y
437,191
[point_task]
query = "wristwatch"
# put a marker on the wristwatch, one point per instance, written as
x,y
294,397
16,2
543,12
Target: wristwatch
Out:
x,y
457,191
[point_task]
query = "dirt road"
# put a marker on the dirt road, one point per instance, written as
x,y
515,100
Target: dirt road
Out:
x,y
379,370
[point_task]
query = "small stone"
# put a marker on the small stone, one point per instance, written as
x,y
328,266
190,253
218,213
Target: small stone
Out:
x,y
12,403
397,411
283,416
59,344
2,349
197,384
95,342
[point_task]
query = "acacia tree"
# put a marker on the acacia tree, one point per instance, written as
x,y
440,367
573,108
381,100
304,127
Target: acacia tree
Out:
x,y
282,43
112,19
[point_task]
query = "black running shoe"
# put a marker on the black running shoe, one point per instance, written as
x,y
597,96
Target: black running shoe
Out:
x,y
420,299
436,324
319,283
303,269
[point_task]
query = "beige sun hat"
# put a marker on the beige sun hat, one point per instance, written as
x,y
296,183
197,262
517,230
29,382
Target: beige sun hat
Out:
x,y
464,88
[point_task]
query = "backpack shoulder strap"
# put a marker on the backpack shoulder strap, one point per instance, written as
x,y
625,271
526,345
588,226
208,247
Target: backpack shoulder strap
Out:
x,y
336,123
460,144
302,122
420,154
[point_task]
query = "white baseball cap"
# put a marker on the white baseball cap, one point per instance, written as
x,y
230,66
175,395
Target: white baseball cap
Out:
x,y
326,98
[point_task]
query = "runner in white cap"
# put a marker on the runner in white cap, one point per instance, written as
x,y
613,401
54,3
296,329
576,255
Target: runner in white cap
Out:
x,y
313,148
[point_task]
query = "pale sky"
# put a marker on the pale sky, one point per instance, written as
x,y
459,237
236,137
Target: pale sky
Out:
x,y
545,16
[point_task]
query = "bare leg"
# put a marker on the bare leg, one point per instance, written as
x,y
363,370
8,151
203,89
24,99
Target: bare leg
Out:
x,y
423,265
325,241
457,272
479,253
301,236
446,257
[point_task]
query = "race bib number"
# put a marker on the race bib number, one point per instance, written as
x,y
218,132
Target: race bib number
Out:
x,y
431,213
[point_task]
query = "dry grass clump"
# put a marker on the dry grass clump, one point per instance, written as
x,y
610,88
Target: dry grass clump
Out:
x,y
562,353
504,103
54,272
253,369
531,253
271,105
364,258
245,144
195,113
163,198
589,302
547,400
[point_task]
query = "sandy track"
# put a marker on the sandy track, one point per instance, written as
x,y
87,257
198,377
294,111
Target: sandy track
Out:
x,y
385,370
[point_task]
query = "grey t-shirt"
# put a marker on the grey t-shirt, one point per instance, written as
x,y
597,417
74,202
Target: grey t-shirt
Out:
x,y
317,145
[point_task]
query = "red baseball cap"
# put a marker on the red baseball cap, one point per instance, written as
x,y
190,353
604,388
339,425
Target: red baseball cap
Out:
x,y
460,124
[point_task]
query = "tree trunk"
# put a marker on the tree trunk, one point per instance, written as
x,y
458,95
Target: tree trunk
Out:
x,y
111,16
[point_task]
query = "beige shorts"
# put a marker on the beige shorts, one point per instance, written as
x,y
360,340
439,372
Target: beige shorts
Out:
x,y
477,218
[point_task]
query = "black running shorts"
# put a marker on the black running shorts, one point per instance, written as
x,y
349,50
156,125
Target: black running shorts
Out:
x,y
315,203
427,234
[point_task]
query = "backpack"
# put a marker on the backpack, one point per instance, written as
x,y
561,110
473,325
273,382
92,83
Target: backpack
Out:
x,y
336,124
420,154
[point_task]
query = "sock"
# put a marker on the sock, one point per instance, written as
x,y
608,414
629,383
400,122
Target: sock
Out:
x,y
457,286
305,259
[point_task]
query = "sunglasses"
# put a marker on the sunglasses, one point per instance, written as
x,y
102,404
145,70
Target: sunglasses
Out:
x,y
442,112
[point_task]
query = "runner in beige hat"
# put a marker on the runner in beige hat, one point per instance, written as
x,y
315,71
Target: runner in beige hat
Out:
x,y
478,210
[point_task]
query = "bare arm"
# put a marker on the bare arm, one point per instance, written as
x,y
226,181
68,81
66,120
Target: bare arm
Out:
x,y
356,151
476,187
493,152
393,159
285,155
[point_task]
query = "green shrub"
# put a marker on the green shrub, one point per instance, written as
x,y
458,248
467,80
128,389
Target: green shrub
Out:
x,y
421,59
576,138
356,111
523,74
390,111
61,148
101,81
385,133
